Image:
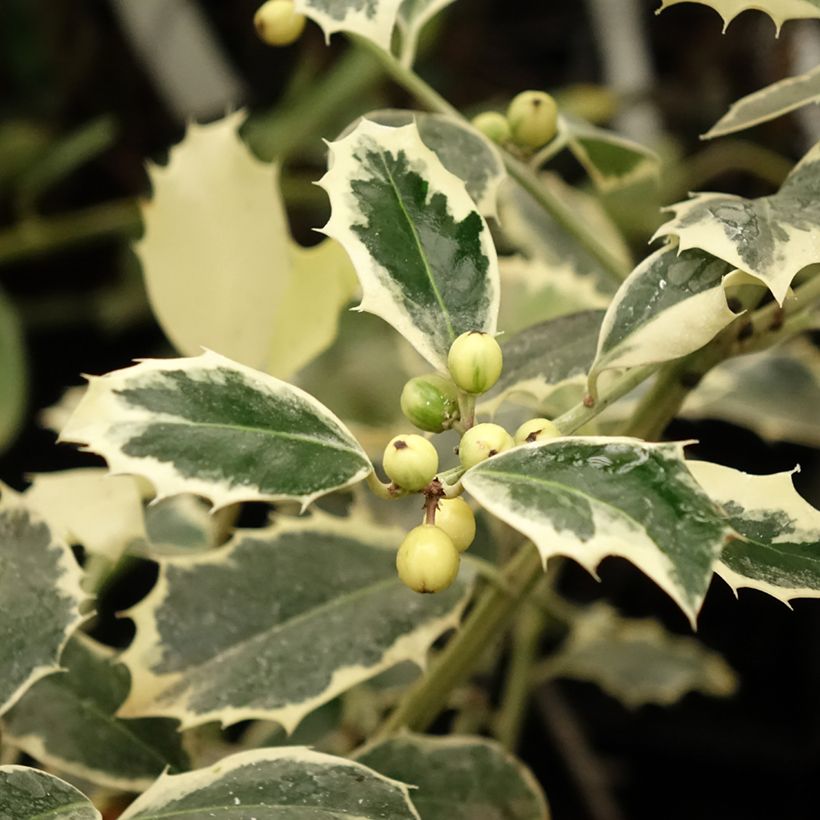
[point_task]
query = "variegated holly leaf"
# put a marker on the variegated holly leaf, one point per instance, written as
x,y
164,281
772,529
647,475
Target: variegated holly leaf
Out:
x,y
413,16
672,304
67,721
769,103
459,778
612,161
637,661
776,393
276,784
372,19
422,252
279,622
13,373
779,551
179,525
89,507
587,498
40,599
546,357
779,10
29,794
772,238
215,428
463,151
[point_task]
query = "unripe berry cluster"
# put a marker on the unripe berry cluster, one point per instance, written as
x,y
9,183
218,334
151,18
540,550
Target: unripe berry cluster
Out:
x,y
531,121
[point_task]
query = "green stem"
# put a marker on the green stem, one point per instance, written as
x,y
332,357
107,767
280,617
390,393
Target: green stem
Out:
x,y
526,177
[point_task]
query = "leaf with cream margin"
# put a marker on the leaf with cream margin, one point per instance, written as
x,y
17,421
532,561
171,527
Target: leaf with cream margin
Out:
x,y
769,103
779,549
463,151
546,357
279,622
13,373
587,498
672,304
40,599
29,794
66,721
779,10
612,161
276,784
413,17
772,238
90,507
56,416
215,428
422,252
637,661
372,19
179,525
776,393
459,778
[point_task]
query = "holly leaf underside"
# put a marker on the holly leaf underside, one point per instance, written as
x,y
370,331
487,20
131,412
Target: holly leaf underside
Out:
x,y
772,238
212,427
459,778
278,623
67,721
29,794
40,600
779,549
587,498
769,103
639,662
672,304
276,784
422,252
779,10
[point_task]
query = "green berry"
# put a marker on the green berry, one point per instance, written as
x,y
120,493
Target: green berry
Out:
x,y
533,117
493,125
277,23
475,361
456,518
427,560
410,462
536,430
482,442
430,402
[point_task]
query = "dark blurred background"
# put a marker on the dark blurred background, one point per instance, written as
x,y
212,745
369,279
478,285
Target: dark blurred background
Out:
x,y
123,89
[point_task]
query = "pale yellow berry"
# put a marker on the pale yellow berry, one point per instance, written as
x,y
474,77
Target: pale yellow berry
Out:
x,y
278,23
427,560
482,442
410,462
536,430
533,118
456,518
493,125
475,361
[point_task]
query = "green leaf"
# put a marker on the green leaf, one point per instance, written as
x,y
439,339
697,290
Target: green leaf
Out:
x,y
587,498
769,103
179,525
215,428
776,393
422,252
637,661
29,794
276,784
546,357
672,304
772,238
66,721
779,552
462,149
459,778
40,599
13,374
779,10
612,161
373,19
279,622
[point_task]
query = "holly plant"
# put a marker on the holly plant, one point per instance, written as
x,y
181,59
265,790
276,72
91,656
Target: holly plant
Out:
x,y
526,378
